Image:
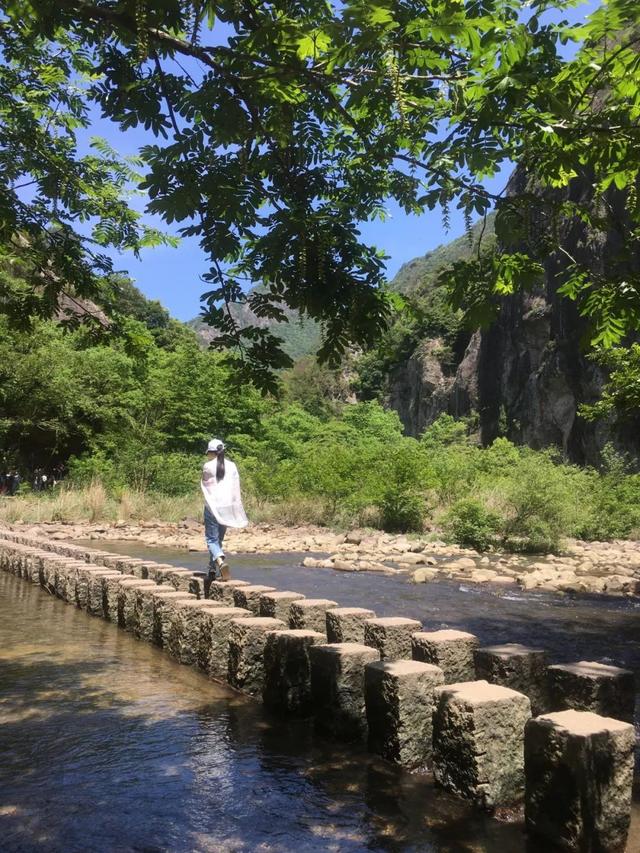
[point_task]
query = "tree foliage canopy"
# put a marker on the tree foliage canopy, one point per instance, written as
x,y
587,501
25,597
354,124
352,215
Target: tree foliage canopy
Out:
x,y
280,126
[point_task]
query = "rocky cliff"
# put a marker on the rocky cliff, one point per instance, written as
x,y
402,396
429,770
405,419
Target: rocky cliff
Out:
x,y
527,374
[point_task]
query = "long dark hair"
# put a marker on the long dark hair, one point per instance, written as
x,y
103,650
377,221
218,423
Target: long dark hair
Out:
x,y
220,465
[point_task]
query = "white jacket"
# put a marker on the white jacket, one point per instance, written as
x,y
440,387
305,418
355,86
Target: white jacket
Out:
x,y
223,498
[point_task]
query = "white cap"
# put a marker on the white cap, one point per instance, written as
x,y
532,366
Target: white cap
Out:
x,y
215,446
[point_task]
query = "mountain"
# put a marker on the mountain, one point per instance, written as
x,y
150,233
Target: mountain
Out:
x,y
423,271
300,335
526,375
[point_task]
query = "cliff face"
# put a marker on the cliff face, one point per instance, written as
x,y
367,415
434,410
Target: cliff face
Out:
x,y
527,374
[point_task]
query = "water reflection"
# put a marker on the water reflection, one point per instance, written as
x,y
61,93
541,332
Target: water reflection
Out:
x,y
107,745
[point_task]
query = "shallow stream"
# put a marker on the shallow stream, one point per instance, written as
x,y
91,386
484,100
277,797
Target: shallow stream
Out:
x,y
108,745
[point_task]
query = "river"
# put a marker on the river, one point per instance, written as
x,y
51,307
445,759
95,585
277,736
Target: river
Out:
x,y
108,745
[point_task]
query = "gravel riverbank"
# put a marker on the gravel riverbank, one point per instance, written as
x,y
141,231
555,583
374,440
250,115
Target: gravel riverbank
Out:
x,y
608,568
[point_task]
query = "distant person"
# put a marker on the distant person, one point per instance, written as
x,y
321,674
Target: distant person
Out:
x,y
14,483
223,505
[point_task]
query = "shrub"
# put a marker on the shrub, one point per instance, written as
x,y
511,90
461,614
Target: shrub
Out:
x,y
402,511
469,523
174,473
87,469
542,503
615,507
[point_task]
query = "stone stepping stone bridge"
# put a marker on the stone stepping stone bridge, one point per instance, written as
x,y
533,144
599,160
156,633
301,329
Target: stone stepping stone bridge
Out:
x,y
497,725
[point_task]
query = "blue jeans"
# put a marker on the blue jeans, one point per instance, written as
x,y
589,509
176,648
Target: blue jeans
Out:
x,y
213,534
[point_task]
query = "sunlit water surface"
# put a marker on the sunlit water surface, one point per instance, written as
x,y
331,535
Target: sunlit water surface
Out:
x,y
108,745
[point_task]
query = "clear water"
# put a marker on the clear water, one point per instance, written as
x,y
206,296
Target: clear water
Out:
x,y
108,745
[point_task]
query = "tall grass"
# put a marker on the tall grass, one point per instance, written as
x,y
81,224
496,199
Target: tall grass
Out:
x,y
94,504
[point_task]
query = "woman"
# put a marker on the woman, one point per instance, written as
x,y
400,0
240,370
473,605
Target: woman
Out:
x,y
223,505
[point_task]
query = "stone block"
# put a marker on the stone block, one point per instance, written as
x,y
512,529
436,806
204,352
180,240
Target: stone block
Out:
x,y
399,698
152,622
247,639
452,651
478,741
391,635
65,570
130,565
146,615
112,594
287,670
130,604
160,572
83,577
277,605
165,613
48,574
591,686
110,561
518,667
310,614
248,596
346,624
579,776
223,590
186,622
184,580
216,632
139,569
96,602
337,688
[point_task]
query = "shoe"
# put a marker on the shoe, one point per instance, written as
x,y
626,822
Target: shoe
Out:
x,y
223,568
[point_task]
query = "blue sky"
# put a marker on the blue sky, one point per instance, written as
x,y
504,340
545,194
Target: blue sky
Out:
x,y
172,275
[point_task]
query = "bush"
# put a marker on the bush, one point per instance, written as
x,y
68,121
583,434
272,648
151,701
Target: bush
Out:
x,y
615,508
402,511
85,470
174,473
542,502
469,523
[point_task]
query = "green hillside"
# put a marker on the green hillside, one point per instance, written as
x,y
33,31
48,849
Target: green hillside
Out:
x,y
301,337
424,270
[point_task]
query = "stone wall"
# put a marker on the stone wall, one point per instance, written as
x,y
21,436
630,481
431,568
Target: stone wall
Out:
x,y
386,682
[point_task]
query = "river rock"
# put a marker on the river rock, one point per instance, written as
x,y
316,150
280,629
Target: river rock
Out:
x,y
411,559
341,565
424,575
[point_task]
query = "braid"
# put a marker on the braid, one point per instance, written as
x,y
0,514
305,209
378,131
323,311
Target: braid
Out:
x,y
220,466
